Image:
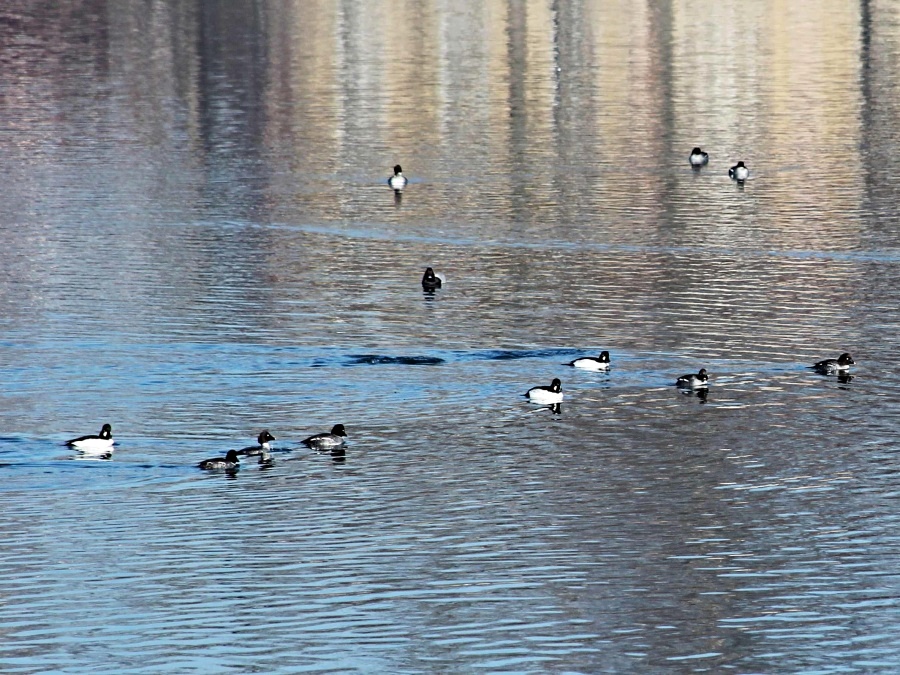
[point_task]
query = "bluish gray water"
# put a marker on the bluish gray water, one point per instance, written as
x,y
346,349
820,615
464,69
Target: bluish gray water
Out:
x,y
198,243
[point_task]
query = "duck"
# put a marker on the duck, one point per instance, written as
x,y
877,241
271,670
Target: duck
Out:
x,y
326,441
546,394
265,460
398,181
592,363
229,461
430,280
835,366
701,379
739,172
94,443
698,157
261,449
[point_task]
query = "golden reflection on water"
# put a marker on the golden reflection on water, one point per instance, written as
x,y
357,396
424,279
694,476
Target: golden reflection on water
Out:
x,y
595,103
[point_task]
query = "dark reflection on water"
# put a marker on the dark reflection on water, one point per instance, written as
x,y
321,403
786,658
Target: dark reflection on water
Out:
x,y
376,359
200,243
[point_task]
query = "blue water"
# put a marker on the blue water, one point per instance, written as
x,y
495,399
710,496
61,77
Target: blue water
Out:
x,y
199,244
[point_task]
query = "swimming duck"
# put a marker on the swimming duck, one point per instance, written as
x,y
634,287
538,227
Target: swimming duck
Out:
x,y
229,461
263,447
739,172
265,460
430,280
95,443
326,441
701,379
835,366
546,394
398,181
698,157
592,363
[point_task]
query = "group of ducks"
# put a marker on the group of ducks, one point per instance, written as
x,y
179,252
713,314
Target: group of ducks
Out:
x,y
102,445
331,440
552,394
697,158
738,172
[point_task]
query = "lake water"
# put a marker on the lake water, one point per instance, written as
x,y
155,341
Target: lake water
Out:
x,y
199,244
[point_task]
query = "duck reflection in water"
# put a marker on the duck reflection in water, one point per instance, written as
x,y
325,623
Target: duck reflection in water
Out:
x,y
702,393
338,454
554,408
105,457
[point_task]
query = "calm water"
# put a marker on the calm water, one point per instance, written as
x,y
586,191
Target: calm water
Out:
x,y
199,244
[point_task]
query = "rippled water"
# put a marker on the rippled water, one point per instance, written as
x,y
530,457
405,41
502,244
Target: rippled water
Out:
x,y
199,244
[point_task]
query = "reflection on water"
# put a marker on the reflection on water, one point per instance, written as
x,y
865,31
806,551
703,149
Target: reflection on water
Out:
x,y
200,243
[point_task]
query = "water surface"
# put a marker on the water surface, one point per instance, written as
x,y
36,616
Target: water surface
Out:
x,y
199,244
